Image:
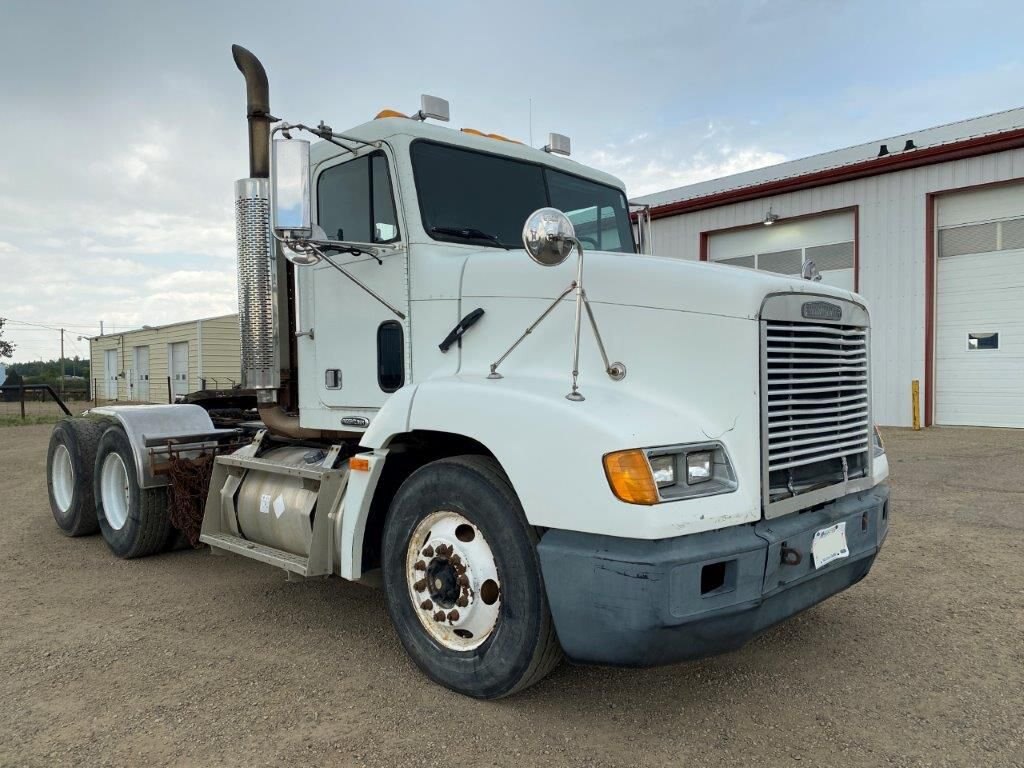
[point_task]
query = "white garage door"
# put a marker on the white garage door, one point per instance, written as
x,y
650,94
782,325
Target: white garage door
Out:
x,y
179,368
783,247
979,328
141,376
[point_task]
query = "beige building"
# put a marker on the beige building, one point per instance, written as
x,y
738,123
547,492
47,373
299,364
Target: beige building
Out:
x,y
157,364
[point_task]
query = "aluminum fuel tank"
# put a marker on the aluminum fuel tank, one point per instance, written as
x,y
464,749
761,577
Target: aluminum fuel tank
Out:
x,y
276,509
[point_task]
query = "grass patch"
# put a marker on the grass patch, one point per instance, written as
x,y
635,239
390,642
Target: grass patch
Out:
x,y
17,421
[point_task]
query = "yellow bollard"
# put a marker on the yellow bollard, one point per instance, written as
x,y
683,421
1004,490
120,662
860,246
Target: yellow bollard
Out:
x,y
915,397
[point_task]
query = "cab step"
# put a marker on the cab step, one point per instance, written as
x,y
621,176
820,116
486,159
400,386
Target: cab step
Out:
x,y
296,564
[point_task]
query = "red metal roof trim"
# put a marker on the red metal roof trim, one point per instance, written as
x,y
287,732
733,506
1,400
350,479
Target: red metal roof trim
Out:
x,y
898,161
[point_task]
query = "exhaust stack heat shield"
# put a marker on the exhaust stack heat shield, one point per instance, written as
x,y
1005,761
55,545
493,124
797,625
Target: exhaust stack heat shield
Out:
x,y
257,286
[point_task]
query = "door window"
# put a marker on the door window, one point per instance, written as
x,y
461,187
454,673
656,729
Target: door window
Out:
x,y
355,201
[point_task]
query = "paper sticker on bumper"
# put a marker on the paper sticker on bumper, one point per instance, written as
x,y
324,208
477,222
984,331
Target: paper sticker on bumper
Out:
x,y
829,544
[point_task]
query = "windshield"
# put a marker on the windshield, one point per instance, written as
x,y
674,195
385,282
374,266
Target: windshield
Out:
x,y
472,196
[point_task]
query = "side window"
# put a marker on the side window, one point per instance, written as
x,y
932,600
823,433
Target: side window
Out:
x,y
355,201
390,356
385,222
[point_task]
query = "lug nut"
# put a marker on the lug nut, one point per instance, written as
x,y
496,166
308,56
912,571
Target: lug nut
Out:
x,y
456,560
439,616
420,585
428,552
420,565
463,580
453,615
462,602
427,605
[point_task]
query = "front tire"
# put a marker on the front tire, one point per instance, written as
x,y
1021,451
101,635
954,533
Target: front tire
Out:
x,y
134,521
463,581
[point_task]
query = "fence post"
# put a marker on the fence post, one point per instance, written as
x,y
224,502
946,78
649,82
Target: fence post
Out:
x,y
21,398
95,393
170,397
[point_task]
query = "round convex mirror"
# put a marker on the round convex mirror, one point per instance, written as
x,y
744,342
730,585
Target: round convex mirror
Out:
x,y
548,236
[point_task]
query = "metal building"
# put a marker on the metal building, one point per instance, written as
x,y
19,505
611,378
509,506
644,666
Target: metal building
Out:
x,y
157,364
928,226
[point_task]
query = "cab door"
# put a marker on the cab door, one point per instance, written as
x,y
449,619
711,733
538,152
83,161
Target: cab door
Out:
x,y
360,344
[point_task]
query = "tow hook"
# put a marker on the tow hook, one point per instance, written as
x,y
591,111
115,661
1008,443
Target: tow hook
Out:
x,y
790,556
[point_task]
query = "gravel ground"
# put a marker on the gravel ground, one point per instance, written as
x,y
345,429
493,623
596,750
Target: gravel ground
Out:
x,y
188,659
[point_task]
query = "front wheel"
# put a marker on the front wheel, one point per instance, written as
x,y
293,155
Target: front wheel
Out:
x,y
463,580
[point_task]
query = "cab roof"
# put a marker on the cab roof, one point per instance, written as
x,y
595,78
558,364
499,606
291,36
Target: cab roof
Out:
x,y
388,128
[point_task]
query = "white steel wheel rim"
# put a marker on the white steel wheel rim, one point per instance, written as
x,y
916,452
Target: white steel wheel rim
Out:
x,y
114,491
62,477
446,546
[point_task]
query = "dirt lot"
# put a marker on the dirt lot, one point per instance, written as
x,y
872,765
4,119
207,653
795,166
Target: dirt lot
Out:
x,y
192,659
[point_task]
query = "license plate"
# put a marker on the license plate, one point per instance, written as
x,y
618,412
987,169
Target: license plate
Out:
x,y
829,544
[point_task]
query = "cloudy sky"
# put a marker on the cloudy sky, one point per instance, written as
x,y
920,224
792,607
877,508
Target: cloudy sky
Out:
x,y
123,123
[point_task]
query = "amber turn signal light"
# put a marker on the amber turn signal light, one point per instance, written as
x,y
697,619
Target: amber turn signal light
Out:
x,y
630,478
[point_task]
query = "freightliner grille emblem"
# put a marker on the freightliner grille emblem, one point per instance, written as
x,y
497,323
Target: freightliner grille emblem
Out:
x,y
821,310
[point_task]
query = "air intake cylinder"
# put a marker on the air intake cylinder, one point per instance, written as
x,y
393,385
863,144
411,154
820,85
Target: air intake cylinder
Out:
x,y
257,286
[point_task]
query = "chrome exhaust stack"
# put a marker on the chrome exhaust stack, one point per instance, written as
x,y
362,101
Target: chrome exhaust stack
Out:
x,y
257,253
263,301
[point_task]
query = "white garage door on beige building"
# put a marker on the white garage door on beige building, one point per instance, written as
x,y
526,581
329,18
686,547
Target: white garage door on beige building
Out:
x,y
158,364
979,318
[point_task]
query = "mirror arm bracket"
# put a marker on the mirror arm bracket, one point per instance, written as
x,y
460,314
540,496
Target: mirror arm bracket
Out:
x,y
354,279
538,240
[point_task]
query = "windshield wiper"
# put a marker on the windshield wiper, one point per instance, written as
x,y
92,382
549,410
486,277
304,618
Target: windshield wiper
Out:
x,y
468,233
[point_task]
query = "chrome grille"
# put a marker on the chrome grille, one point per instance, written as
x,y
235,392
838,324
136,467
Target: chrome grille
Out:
x,y
817,393
256,286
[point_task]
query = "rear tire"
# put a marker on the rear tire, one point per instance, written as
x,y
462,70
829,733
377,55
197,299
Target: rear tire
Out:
x,y
134,521
456,538
69,466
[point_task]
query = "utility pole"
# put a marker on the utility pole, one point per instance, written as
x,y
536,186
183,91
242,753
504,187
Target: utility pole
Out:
x,y
61,363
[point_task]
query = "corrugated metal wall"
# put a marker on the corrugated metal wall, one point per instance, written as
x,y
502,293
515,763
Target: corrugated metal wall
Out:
x,y
217,359
892,254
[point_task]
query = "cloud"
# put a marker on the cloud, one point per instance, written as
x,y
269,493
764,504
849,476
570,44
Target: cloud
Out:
x,y
655,163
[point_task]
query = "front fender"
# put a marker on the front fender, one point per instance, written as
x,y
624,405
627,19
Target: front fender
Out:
x,y
552,449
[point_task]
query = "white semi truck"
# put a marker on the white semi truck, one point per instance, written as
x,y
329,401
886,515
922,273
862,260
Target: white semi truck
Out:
x,y
641,462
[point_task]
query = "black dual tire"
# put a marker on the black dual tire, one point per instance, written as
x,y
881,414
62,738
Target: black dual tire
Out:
x,y
143,525
71,455
523,647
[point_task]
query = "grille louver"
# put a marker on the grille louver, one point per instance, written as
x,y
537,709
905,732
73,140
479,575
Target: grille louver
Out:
x,y
817,396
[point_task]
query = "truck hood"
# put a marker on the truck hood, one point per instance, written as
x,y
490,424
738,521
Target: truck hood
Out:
x,y
628,279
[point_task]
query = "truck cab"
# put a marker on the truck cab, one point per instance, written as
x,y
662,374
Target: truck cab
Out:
x,y
474,391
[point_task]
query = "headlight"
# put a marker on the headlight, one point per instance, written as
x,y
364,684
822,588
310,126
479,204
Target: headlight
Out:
x,y
876,441
654,475
699,467
663,468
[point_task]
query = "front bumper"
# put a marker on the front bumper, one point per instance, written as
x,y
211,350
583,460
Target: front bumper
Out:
x,y
632,602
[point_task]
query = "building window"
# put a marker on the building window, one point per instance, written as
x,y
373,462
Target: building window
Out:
x,y
1004,235
827,258
982,341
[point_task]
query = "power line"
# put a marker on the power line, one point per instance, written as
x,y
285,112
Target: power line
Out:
x,y
67,325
